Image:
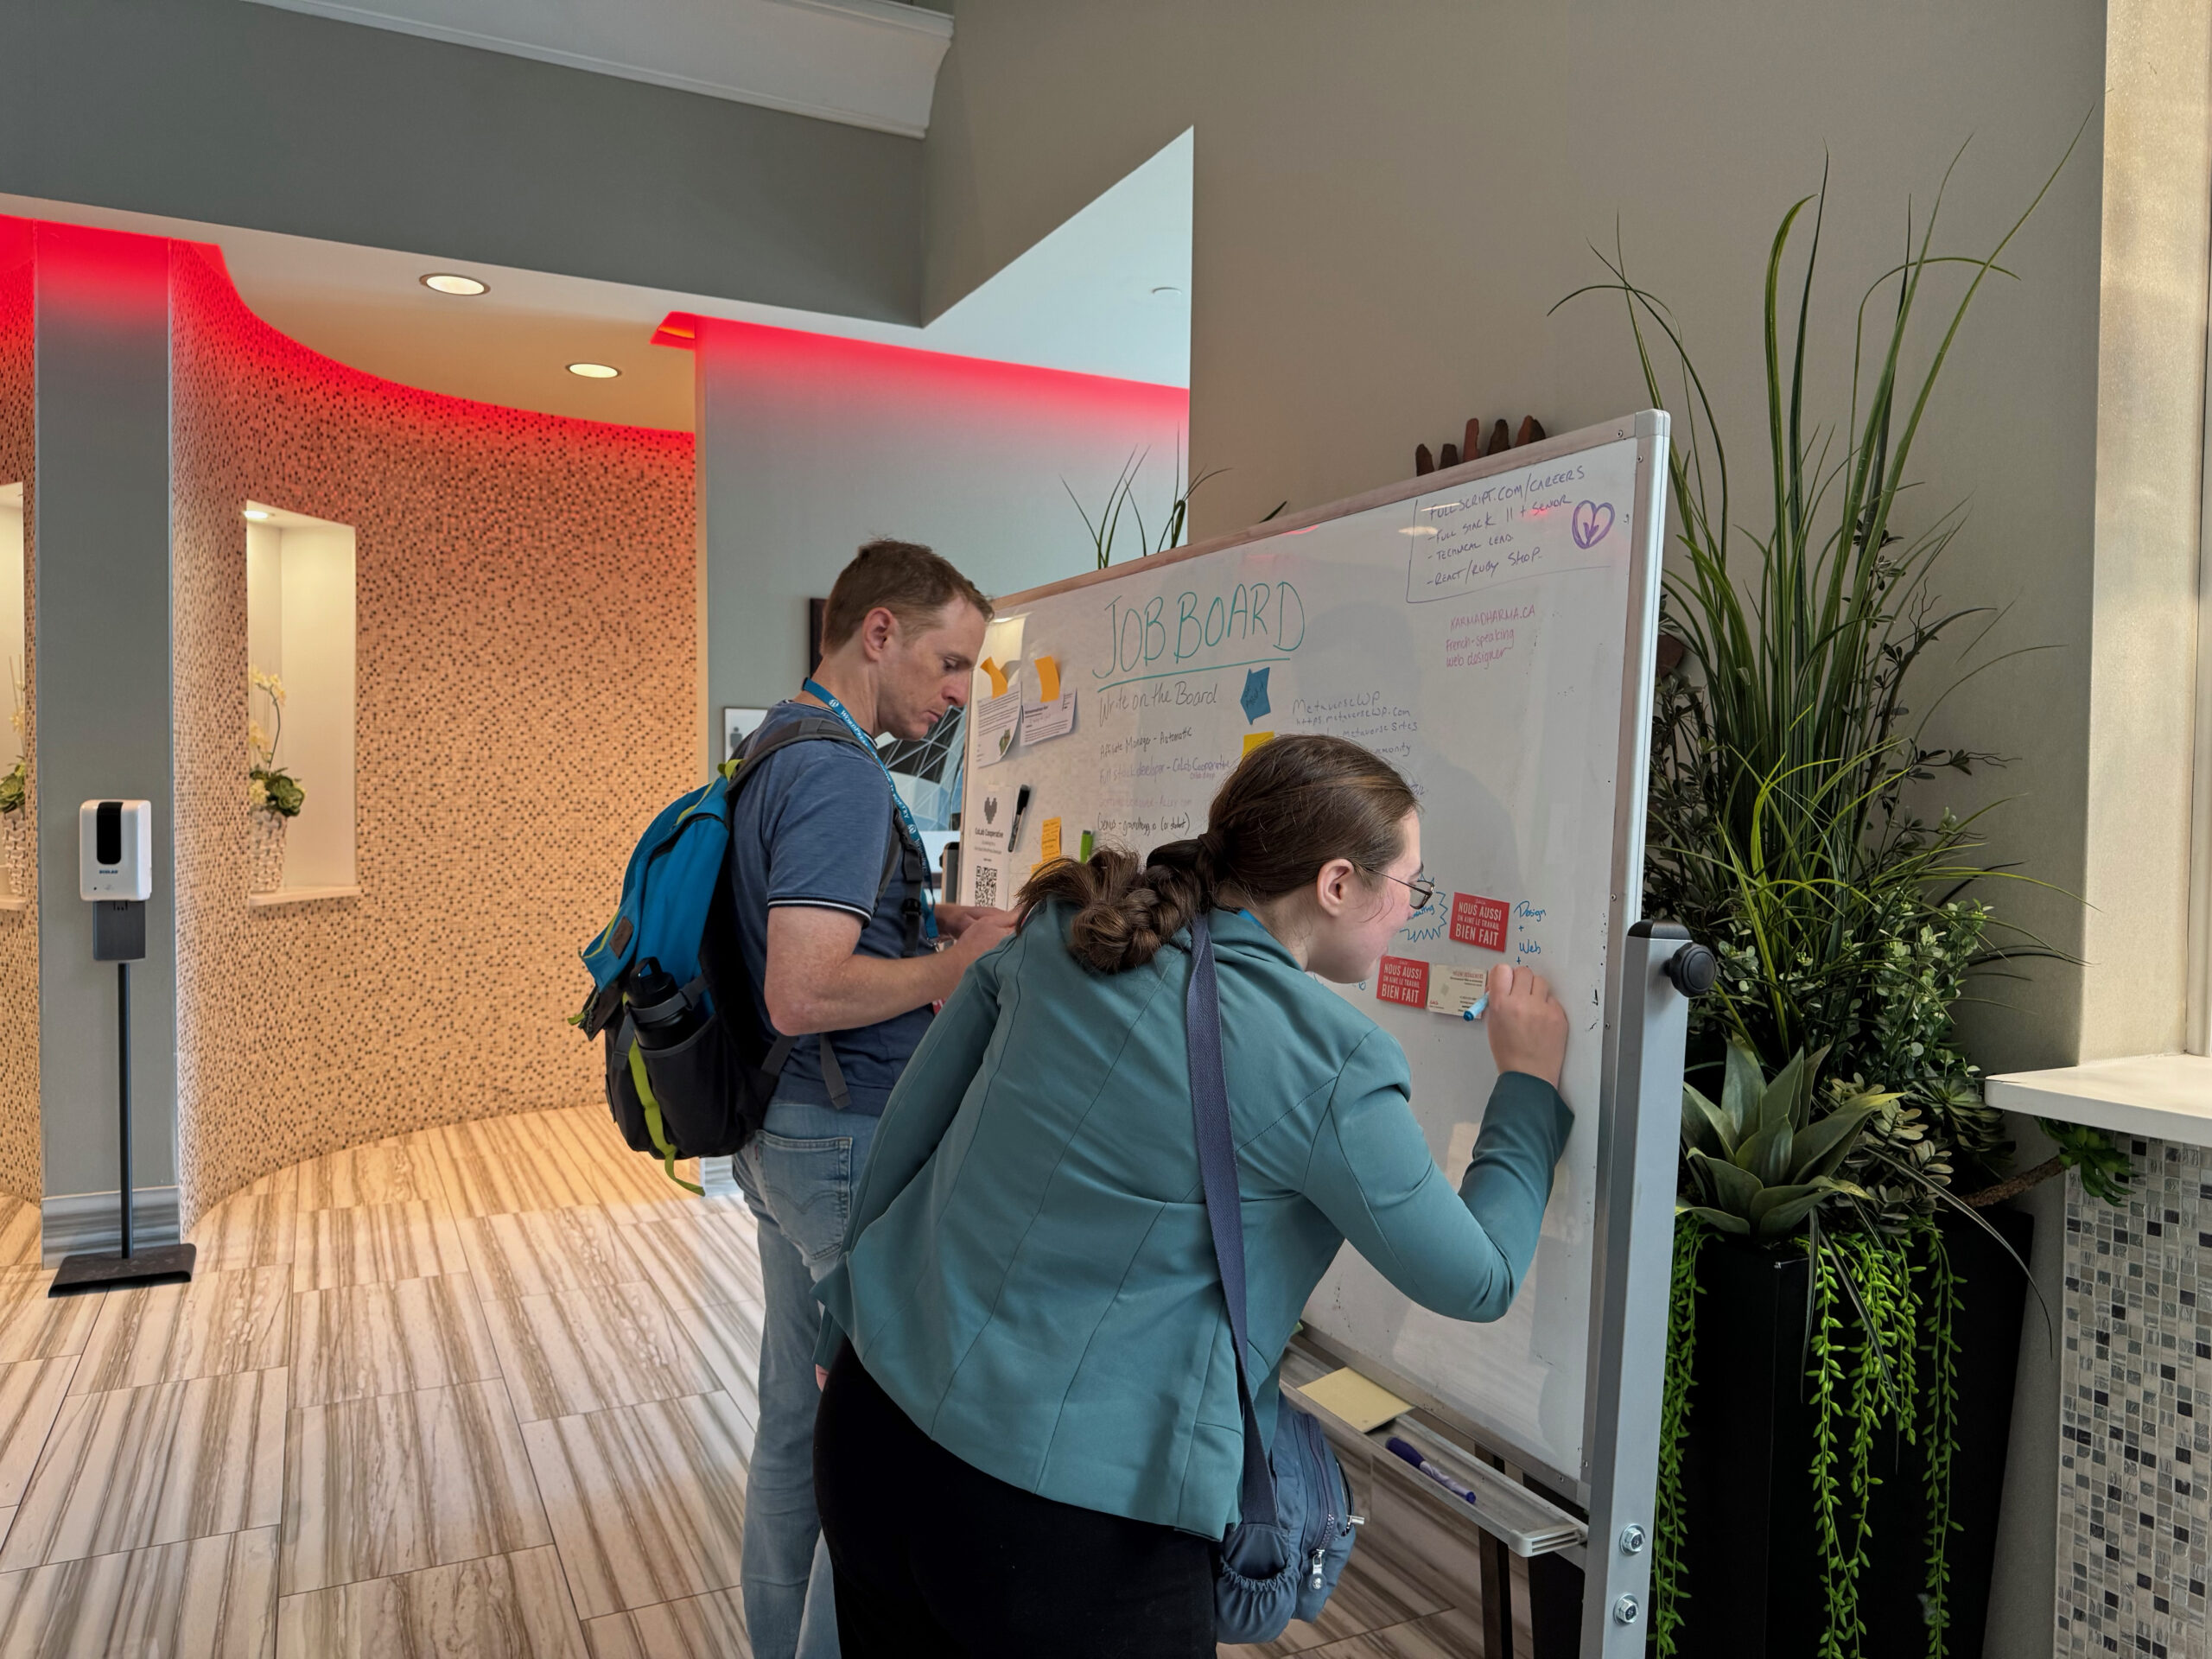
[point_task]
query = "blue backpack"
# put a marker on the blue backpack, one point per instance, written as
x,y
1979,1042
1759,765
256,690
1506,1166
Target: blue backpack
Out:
x,y
691,1065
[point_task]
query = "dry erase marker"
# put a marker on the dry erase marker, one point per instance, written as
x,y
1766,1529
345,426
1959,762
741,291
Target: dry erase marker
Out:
x,y
1481,1006
1412,1455
1014,830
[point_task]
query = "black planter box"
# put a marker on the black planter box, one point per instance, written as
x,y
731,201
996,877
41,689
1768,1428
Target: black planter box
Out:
x,y
1752,1568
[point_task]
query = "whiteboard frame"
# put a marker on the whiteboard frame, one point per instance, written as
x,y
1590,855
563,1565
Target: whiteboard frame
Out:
x,y
1627,1249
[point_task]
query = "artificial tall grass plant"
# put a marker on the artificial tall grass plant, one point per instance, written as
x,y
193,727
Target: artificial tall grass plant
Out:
x,y
1790,748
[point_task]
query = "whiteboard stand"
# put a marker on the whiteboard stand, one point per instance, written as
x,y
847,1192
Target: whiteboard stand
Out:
x,y
1637,1149
1525,585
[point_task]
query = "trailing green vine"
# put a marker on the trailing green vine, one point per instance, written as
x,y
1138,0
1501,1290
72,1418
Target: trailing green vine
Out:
x,y
1882,1358
1668,1591
1940,1330
1873,1322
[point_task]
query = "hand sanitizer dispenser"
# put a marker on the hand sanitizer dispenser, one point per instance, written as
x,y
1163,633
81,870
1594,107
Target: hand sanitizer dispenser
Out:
x,y
115,850
115,874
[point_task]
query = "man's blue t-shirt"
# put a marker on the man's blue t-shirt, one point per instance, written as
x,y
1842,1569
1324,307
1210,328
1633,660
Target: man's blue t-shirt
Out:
x,y
813,830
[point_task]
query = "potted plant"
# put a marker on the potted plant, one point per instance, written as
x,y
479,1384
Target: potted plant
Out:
x,y
273,795
1838,1292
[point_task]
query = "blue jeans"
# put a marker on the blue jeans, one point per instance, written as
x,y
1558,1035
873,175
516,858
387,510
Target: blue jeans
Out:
x,y
798,1175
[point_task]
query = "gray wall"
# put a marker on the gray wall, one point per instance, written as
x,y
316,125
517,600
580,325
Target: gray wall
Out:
x,y
252,116
808,446
103,687
1385,216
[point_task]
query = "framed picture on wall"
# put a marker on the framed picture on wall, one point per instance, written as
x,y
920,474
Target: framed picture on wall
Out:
x,y
738,724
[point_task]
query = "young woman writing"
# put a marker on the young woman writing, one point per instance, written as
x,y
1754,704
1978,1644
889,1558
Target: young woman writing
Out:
x,y
1030,1439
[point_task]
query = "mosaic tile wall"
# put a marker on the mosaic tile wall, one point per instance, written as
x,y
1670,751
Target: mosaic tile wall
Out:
x,y
2135,1473
525,686
20,1173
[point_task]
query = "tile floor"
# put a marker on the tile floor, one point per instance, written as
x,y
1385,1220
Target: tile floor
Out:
x,y
482,1390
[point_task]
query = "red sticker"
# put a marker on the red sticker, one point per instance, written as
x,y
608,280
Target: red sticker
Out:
x,y
1478,922
1404,980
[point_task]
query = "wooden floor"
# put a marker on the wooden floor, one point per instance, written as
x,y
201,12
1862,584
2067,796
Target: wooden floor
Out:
x,y
483,1390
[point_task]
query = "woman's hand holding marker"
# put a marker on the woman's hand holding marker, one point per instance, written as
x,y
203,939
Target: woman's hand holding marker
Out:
x,y
1528,1026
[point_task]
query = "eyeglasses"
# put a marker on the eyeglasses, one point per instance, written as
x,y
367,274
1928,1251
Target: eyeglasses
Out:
x,y
1422,888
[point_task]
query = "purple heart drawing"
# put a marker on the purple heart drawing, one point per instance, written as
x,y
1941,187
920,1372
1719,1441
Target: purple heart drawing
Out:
x,y
1592,520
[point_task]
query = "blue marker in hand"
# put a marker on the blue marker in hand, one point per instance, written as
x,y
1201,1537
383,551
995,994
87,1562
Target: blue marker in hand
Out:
x,y
1482,1003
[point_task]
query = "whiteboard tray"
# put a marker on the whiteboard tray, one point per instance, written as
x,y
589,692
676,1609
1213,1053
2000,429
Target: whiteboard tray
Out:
x,y
1522,1520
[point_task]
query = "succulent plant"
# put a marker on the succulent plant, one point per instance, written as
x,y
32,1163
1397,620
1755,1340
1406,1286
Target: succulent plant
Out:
x,y
1763,1160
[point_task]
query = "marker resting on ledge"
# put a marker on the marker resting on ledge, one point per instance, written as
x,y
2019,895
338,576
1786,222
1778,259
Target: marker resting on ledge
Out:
x,y
1412,1455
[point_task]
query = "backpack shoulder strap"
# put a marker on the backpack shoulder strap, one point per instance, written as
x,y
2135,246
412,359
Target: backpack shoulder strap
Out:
x,y
807,728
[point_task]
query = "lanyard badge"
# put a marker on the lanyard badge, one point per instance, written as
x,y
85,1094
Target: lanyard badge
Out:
x,y
898,806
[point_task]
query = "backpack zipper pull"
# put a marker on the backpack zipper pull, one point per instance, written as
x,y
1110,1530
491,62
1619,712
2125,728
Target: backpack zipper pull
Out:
x,y
1317,1568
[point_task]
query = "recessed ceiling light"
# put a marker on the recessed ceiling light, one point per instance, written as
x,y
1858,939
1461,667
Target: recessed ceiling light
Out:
x,y
594,370
449,281
1418,530
257,513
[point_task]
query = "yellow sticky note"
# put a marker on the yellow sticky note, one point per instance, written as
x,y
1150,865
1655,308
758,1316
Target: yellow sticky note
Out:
x,y
1366,1406
1048,678
996,675
1253,739
1051,844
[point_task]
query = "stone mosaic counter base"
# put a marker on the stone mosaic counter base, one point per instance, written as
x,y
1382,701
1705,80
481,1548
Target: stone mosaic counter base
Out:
x,y
2135,1473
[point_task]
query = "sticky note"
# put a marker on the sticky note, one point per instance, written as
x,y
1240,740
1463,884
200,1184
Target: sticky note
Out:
x,y
1454,990
1050,846
1048,678
1403,979
1478,922
996,675
1254,699
1253,739
1345,1394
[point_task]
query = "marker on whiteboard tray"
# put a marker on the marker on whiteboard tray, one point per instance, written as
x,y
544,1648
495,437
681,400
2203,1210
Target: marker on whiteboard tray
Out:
x,y
1021,810
1412,1454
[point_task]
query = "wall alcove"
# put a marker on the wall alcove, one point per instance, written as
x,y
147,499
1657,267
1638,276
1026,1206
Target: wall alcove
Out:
x,y
300,634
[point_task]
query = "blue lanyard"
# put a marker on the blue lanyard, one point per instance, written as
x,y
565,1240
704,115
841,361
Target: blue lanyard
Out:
x,y
905,818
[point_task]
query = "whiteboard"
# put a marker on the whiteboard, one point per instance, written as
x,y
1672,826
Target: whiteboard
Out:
x,y
1488,631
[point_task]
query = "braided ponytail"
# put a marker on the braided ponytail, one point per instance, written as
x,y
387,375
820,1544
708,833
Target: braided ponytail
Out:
x,y
1291,806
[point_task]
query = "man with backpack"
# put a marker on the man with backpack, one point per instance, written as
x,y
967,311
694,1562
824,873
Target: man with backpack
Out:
x,y
845,953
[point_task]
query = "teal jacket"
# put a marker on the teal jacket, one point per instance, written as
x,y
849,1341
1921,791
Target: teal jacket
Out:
x,y
1028,1270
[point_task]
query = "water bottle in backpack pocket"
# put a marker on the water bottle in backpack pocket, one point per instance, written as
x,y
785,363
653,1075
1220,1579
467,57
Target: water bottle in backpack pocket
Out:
x,y
693,1075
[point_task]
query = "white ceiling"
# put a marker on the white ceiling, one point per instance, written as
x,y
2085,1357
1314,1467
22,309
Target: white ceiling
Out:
x,y
1082,300
868,63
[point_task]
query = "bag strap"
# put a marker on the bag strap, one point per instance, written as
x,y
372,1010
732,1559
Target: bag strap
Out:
x,y
655,1125
1224,1204
899,853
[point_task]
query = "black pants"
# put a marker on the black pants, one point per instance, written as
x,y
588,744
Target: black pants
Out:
x,y
937,1559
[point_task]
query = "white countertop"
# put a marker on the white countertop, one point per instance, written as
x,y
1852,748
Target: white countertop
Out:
x,y
2167,1096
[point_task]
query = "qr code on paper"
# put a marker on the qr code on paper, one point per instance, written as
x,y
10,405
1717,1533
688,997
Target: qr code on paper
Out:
x,y
986,886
